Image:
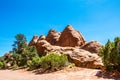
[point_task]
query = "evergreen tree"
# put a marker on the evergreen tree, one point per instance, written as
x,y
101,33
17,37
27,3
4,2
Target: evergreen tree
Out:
x,y
110,54
20,43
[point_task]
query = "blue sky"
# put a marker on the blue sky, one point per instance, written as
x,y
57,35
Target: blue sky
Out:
x,y
95,19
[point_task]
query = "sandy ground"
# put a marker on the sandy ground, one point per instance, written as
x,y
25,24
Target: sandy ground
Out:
x,y
78,74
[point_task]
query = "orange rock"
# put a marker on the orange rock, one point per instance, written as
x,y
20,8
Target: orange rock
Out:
x,y
53,37
69,43
70,37
92,46
34,40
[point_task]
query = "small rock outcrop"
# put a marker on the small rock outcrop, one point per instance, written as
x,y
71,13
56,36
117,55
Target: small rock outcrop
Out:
x,y
34,40
53,37
70,37
42,37
82,58
92,46
43,47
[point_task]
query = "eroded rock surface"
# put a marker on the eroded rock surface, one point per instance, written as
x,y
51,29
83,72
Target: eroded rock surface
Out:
x,y
34,40
92,46
70,37
80,57
53,37
71,43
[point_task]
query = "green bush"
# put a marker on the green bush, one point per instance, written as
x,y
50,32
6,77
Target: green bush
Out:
x,y
21,59
34,63
21,52
1,65
53,61
15,66
23,55
110,54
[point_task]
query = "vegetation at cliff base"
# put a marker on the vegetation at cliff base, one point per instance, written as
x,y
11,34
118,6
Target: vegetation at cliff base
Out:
x,y
110,54
53,61
26,56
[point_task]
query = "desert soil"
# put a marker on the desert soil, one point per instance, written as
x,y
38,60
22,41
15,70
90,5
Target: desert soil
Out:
x,y
67,74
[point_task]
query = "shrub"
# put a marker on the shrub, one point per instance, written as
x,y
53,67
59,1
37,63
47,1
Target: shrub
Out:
x,y
4,65
34,63
20,54
1,65
17,59
53,61
110,54
21,59
15,66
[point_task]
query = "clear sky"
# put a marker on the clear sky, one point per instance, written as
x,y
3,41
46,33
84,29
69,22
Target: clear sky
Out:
x,y
95,19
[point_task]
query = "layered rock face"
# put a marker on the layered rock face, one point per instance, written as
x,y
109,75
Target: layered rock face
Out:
x,y
80,57
92,46
71,43
43,47
71,38
68,38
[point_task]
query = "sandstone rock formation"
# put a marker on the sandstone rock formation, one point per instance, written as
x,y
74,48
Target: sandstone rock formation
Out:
x,y
53,37
42,37
92,46
34,40
78,56
71,43
70,37
43,47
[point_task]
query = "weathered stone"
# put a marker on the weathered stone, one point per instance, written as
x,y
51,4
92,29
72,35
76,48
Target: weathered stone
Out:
x,y
92,46
84,58
34,40
42,37
80,57
71,43
53,37
43,46
70,37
